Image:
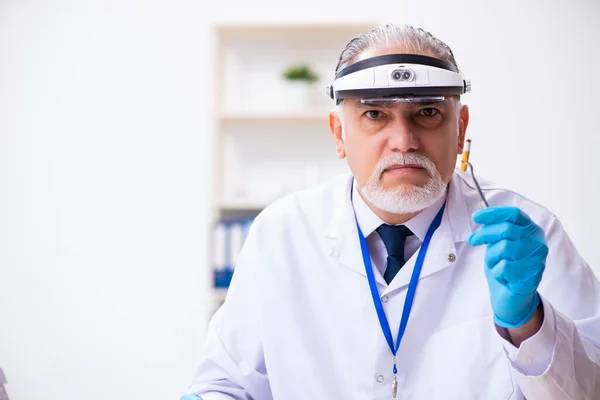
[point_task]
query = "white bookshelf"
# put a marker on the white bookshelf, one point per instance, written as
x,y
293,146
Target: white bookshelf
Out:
x,y
271,138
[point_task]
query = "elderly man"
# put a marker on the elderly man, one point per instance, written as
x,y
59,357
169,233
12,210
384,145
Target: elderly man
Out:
x,y
398,281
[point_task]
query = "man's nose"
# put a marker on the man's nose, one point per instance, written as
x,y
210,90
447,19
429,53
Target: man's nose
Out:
x,y
400,136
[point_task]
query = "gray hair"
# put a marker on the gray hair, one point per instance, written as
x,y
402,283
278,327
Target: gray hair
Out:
x,y
392,35
380,37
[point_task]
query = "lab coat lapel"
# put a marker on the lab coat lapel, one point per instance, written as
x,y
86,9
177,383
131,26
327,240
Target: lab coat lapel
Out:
x,y
436,258
342,233
455,227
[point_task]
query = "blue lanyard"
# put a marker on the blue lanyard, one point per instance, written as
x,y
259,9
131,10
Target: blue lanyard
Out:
x,y
412,286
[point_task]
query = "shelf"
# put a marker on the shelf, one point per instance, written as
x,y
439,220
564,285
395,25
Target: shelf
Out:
x,y
291,28
233,205
301,116
272,136
220,294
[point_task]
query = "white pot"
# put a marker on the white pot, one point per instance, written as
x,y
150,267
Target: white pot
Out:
x,y
297,95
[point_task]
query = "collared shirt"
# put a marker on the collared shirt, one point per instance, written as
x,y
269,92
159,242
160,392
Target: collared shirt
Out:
x,y
369,222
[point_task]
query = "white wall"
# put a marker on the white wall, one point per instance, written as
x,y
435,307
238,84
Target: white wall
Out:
x,y
104,158
102,199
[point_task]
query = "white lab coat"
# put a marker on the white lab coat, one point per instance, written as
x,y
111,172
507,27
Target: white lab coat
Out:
x,y
299,322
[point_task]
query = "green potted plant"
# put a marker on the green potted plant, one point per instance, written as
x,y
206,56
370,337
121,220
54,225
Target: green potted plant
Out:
x,y
300,73
299,79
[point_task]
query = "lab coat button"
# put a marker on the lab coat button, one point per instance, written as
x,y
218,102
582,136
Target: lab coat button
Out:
x,y
380,378
451,257
384,299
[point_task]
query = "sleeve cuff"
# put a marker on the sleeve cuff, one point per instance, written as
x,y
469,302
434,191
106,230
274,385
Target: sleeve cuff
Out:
x,y
534,356
190,396
216,396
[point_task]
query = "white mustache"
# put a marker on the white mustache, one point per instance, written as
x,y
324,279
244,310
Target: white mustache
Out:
x,y
404,159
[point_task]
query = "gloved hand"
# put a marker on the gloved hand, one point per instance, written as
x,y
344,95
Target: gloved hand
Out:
x,y
190,396
515,259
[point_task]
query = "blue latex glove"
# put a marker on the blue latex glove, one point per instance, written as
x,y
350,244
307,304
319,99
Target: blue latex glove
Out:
x,y
190,396
515,259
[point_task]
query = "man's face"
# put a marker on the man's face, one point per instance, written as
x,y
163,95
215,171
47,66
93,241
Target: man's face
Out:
x,y
401,149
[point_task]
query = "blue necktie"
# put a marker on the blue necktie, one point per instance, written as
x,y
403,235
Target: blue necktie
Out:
x,y
394,238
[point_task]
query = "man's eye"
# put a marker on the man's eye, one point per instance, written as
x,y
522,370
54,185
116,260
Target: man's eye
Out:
x,y
374,114
429,112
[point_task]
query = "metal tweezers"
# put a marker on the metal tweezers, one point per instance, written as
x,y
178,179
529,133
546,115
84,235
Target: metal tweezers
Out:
x,y
477,184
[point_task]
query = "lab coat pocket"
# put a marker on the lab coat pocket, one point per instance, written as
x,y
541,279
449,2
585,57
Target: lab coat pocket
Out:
x,y
465,361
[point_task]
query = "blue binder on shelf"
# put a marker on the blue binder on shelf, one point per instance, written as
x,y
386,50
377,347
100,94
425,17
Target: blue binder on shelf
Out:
x,y
228,240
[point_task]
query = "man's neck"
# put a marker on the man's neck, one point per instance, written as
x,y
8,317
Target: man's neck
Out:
x,y
387,217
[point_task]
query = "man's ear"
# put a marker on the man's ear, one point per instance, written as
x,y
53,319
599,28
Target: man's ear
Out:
x,y
335,126
463,122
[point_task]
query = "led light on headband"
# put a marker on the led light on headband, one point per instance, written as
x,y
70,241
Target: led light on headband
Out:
x,y
398,78
405,99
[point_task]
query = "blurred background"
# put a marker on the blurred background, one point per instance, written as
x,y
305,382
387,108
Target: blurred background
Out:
x,y
138,139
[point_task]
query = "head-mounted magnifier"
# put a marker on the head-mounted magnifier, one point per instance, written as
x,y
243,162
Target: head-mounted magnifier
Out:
x,y
398,78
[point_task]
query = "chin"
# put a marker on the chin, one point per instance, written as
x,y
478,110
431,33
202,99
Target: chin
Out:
x,y
403,188
405,198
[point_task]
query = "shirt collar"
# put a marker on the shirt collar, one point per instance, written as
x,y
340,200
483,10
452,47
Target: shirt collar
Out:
x,y
369,221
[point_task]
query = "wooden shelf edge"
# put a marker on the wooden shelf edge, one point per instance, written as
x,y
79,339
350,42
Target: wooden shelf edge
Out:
x,y
241,205
234,28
